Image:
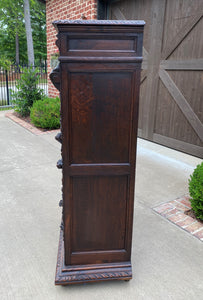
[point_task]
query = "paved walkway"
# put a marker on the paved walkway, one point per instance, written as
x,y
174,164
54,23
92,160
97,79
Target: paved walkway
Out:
x,y
167,261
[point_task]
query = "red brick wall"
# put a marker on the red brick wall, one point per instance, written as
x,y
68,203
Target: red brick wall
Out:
x,y
60,10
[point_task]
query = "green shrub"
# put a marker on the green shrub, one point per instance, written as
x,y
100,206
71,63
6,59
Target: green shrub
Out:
x,y
27,92
196,191
46,113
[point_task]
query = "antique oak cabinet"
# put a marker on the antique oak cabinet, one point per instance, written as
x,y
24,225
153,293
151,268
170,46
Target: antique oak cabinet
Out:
x,y
98,77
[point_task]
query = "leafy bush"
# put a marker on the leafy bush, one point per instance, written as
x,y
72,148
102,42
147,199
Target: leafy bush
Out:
x,y
27,93
196,191
46,113
5,63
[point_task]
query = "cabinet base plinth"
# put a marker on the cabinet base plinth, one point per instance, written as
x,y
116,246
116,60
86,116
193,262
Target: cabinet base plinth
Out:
x,y
73,274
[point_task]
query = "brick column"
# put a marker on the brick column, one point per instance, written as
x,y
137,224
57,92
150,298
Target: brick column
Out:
x,y
61,10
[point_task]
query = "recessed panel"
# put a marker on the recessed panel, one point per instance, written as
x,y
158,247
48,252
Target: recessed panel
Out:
x,y
99,213
100,106
102,44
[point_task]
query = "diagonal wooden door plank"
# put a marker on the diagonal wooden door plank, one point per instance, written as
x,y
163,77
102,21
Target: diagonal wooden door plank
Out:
x,y
192,64
143,75
178,145
182,103
145,53
175,41
150,100
120,16
144,65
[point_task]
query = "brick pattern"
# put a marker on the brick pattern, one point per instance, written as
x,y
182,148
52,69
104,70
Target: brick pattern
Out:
x,y
174,211
61,10
28,126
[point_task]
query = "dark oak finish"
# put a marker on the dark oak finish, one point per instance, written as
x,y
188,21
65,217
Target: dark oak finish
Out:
x,y
98,79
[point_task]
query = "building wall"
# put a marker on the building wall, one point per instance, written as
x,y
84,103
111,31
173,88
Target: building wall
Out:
x,y
60,10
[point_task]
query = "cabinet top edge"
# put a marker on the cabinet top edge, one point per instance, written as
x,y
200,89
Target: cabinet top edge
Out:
x,y
100,22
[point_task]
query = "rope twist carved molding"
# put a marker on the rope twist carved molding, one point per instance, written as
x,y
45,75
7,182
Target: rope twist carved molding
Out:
x,y
62,276
100,22
95,276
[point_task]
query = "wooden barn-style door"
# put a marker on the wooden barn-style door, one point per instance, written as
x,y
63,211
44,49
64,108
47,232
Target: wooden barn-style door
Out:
x,y
171,104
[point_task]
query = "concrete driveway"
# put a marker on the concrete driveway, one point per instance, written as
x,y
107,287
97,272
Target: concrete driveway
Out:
x,y
167,261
